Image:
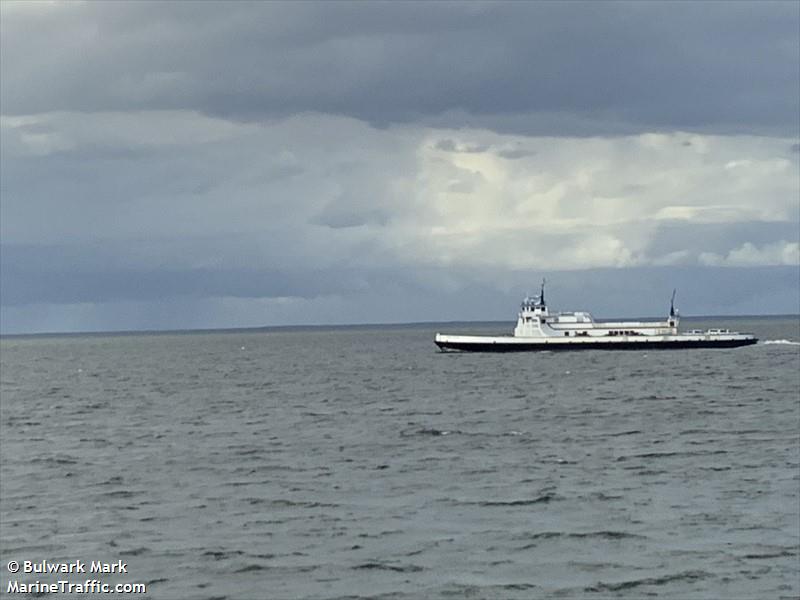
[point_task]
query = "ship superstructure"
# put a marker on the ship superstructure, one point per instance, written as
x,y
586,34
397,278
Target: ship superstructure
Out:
x,y
539,329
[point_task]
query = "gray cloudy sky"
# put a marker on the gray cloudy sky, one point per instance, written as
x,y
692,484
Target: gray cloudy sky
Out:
x,y
181,164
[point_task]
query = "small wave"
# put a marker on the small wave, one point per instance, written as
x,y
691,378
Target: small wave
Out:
x,y
251,568
222,554
517,586
458,590
625,585
389,567
541,499
622,433
604,535
249,451
56,460
283,503
781,342
122,494
769,555
427,431
17,422
381,534
649,455
655,455
603,496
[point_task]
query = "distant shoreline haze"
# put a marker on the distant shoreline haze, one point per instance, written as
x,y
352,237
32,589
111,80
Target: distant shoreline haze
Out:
x,y
509,324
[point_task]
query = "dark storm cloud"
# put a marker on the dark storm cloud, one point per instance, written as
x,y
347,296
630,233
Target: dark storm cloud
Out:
x,y
555,68
102,273
24,286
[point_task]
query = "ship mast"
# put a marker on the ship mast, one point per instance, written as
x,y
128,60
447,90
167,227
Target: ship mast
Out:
x,y
673,314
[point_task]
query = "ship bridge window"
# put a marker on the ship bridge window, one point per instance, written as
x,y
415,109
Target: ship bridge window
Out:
x,y
566,333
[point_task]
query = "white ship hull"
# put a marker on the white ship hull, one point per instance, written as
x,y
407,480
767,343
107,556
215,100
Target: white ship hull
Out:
x,y
478,343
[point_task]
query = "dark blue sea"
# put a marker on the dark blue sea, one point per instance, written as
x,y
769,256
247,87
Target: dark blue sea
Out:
x,y
363,463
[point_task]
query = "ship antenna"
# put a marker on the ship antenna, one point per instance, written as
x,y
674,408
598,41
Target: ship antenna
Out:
x,y
672,304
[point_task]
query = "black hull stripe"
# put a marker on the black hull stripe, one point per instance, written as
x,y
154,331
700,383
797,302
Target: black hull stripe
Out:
x,y
546,347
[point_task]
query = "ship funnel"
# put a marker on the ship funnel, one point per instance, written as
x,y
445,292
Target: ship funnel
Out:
x,y
672,304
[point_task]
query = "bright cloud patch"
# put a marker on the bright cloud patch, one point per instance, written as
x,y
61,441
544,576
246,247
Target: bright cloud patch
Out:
x,y
322,190
748,255
581,203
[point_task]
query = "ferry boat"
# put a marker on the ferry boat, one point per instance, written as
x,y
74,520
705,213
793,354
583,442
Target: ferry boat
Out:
x,y
539,329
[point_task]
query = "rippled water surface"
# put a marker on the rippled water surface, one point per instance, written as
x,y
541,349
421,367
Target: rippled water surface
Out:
x,y
364,463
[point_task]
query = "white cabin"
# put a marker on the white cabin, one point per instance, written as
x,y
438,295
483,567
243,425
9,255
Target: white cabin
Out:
x,y
536,321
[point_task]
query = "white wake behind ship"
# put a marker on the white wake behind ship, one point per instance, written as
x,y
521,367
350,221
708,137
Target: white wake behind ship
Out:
x,y
539,329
